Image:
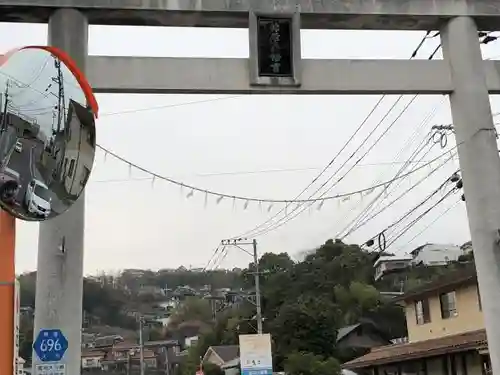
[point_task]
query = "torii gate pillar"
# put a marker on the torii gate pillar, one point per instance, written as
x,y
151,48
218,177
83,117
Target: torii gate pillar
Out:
x,y
479,163
59,280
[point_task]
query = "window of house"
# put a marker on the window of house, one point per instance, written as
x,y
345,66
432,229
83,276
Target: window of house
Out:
x,y
479,299
422,311
448,303
71,168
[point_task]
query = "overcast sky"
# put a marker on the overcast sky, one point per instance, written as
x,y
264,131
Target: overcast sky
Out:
x,y
132,222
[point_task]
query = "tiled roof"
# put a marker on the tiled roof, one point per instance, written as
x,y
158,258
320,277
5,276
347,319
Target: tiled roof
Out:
x,y
125,346
421,349
147,354
93,353
227,352
344,331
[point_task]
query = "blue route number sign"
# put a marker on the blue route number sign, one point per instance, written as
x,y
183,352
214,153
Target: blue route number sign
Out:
x,y
50,345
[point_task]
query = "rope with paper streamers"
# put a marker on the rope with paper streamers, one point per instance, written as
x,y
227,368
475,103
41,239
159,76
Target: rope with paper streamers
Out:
x,y
219,196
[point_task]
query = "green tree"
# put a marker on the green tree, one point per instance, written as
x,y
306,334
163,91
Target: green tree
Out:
x,y
308,324
304,363
212,369
193,308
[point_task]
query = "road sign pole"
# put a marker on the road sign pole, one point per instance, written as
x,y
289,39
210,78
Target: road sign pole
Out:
x,y
7,286
59,289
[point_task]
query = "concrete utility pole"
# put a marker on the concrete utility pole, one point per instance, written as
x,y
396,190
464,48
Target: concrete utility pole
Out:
x,y
257,288
141,344
479,163
258,307
59,292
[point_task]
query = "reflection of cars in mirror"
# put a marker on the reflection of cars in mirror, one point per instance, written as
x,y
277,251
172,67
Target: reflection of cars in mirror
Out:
x,y
38,198
50,152
19,146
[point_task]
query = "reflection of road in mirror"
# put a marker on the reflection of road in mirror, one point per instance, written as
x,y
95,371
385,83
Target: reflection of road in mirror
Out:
x,y
47,136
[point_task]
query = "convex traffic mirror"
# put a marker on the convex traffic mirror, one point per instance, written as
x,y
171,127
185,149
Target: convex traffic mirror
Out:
x,y
47,133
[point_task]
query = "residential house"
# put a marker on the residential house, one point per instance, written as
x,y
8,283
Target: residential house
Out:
x,y
387,264
187,333
466,248
150,359
363,335
79,149
446,333
127,354
151,289
92,359
20,366
107,341
435,254
221,355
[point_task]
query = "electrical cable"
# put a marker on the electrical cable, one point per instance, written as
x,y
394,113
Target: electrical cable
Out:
x,y
277,225
412,223
442,140
433,222
286,219
387,192
284,209
373,205
397,199
381,238
451,191
218,249
427,199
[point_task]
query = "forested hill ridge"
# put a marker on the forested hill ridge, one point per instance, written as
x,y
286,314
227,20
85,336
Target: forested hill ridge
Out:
x,y
138,282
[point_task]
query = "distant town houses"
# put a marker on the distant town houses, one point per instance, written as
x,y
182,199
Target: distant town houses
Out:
x,y
162,355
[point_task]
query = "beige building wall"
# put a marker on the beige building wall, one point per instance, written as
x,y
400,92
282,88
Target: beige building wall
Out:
x,y
469,318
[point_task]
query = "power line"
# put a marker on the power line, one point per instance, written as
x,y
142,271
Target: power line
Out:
x,y
397,199
375,203
416,220
287,218
168,106
433,222
257,231
371,207
381,238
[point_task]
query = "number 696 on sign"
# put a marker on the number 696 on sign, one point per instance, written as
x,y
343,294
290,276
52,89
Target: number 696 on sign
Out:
x,y
50,345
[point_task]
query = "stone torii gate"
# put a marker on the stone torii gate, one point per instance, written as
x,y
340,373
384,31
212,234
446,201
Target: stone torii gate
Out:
x,y
462,75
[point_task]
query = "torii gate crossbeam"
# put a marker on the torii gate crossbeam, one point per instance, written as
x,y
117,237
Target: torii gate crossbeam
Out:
x,y
462,74
315,14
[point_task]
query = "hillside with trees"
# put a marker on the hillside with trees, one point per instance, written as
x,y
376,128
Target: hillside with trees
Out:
x,y
304,304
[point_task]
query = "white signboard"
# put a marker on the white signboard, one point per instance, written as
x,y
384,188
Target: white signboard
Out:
x,y
255,354
50,369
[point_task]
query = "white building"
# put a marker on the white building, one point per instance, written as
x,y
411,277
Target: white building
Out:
x,y
466,248
20,366
79,150
390,263
435,254
92,359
